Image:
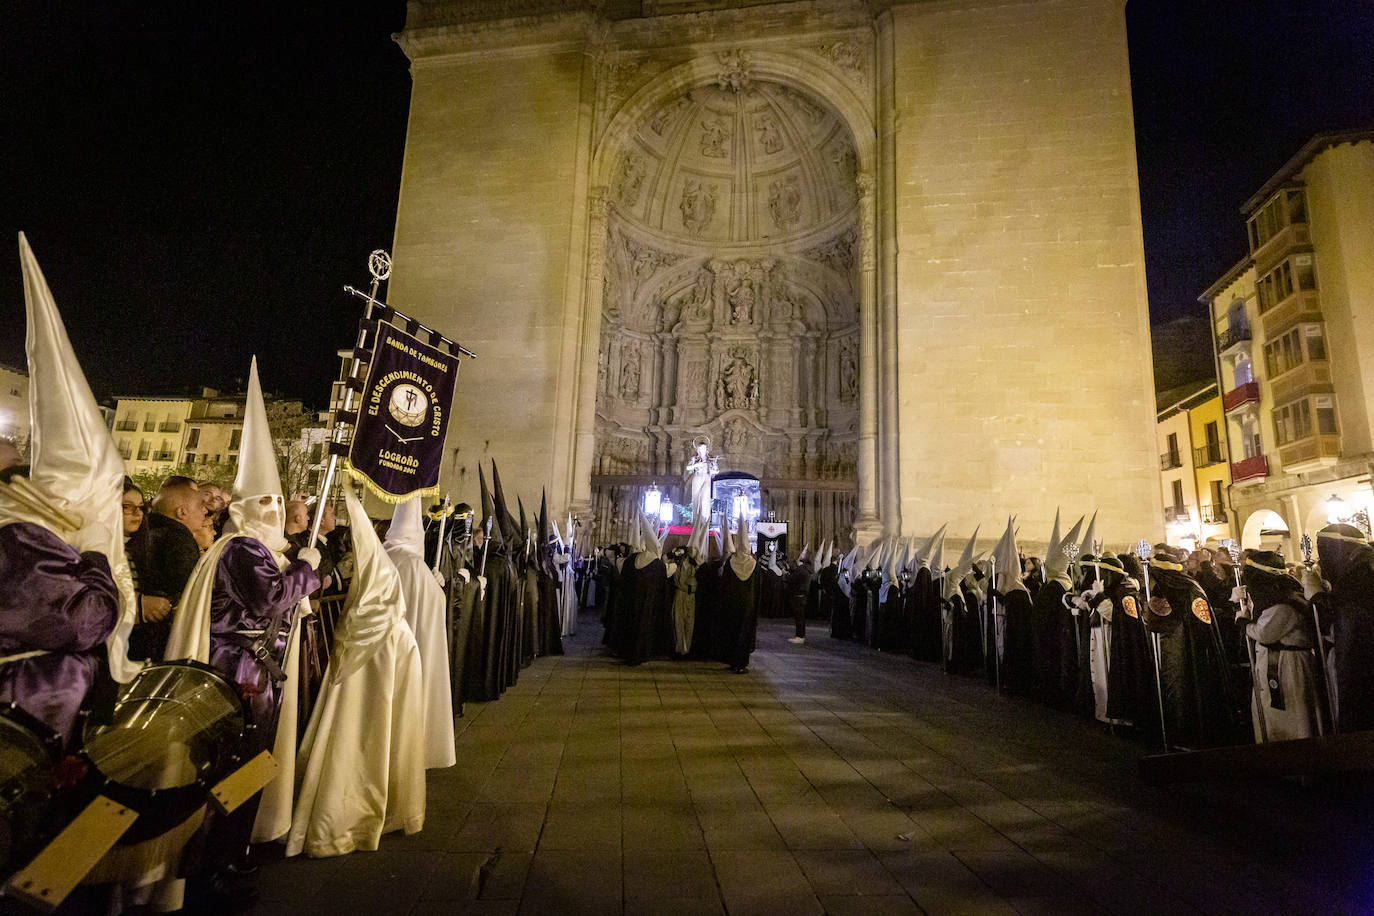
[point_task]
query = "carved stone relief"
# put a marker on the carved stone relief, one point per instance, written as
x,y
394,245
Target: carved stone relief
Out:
x,y
669,113
734,70
837,254
632,169
784,201
715,137
770,135
698,206
738,385
629,372
848,369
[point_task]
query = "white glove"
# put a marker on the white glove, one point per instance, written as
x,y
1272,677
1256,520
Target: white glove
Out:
x,y
310,555
481,587
439,577
1238,595
465,576
672,570
1097,588
1079,605
1132,583
94,537
1311,582
1104,609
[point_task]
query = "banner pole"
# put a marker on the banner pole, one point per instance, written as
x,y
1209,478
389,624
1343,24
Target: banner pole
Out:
x,y
379,265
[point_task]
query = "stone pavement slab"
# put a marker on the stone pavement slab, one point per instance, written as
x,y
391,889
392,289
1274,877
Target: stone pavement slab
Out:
x,y
828,779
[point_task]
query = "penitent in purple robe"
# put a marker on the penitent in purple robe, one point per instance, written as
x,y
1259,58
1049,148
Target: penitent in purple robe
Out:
x,y
60,601
250,592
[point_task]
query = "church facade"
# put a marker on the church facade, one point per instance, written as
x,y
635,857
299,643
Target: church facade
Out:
x,y
886,256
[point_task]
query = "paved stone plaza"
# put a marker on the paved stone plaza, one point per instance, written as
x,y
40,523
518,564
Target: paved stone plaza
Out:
x,y
829,778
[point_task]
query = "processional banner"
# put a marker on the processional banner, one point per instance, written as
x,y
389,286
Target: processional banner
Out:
x,y
398,442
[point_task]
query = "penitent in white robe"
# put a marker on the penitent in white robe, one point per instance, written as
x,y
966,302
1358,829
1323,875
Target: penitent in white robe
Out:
x,y
361,763
428,619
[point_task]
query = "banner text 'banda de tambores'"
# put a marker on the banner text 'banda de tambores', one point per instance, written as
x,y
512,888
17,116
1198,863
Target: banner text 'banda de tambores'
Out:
x,y
398,442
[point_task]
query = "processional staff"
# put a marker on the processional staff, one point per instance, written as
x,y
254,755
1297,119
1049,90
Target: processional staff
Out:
x,y
1305,544
1233,549
1144,552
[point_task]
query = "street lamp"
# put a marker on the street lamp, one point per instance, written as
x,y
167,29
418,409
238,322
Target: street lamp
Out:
x,y
1335,509
665,512
653,498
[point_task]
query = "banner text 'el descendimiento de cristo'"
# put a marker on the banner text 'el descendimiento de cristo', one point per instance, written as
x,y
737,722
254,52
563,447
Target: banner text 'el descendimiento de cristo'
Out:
x,y
398,442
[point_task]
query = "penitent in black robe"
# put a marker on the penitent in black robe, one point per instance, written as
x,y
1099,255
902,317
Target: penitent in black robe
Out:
x,y
738,609
1193,674
646,611
1131,671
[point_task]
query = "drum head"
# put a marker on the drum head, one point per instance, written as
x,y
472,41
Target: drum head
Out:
x,y
175,725
28,753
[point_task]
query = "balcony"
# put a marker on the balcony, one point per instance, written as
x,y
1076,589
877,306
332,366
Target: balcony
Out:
x,y
126,426
1294,235
164,456
1212,515
149,426
1210,454
1252,469
1240,396
170,426
1170,460
1232,338
1177,515
1311,377
1299,306
1310,454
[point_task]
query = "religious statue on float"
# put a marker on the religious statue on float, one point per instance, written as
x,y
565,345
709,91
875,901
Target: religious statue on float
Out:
x,y
701,467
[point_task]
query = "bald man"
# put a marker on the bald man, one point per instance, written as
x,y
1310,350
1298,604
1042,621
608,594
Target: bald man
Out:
x,y
165,561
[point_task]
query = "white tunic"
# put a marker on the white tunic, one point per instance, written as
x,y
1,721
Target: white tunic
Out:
x,y
428,620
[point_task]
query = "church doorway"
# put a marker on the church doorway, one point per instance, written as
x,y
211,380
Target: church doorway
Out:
x,y
730,307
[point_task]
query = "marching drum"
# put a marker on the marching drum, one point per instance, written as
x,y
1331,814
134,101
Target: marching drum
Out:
x,y
29,751
176,730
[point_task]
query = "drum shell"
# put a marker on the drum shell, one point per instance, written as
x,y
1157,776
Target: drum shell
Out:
x,y
29,753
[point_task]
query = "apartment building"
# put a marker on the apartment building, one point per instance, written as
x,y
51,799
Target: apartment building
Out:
x,y
149,431
1193,466
1294,328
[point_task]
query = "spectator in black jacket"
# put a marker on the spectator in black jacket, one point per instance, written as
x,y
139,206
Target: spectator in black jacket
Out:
x,y
166,556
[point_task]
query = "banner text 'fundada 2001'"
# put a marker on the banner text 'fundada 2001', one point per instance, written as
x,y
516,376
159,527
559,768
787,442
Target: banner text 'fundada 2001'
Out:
x,y
398,443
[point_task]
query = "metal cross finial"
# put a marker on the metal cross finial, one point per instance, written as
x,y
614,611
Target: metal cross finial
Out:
x,y
379,264
1232,548
1143,550
1071,551
1305,545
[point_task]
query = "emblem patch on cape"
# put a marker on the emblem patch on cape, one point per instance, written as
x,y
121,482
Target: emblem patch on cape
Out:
x,y
1201,611
1160,607
1128,605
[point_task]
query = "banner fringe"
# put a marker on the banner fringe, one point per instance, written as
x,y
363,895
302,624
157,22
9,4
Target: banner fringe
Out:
x,y
360,477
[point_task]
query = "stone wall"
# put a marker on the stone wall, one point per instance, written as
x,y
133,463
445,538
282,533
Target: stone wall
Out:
x,y
1023,339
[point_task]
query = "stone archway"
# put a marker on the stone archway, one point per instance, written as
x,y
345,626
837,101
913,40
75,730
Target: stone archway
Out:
x,y
1259,528
730,302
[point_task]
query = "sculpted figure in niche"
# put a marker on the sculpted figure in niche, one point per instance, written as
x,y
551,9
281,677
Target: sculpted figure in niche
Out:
x,y
736,437
784,201
770,138
698,206
631,178
738,385
714,136
849,372
629,374
701,295
742,297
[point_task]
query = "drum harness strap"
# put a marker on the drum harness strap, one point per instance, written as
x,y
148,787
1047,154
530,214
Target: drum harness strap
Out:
x,y
259,645
20,656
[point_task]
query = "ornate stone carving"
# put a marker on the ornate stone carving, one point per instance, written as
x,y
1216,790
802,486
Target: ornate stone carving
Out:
x,y
734,70
738,439
715,137
669,113
770,135
738,385
808,109
645,260
629,372
698,206
843,54
847,367
845,161
741,295
631,178
698,307
694,380
784,201
837,254
619,75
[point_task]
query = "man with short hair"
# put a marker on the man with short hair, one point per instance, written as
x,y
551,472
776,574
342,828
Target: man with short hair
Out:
x,y
166,558
297,519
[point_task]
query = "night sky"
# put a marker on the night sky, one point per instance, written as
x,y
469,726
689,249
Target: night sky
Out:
x,y
198,185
